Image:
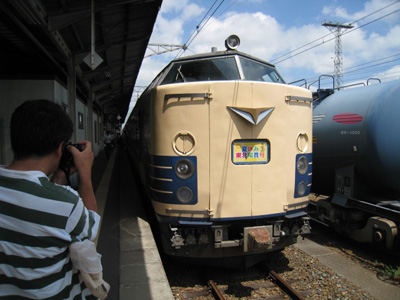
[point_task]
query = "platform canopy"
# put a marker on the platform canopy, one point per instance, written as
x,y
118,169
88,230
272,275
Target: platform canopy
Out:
x,y
57,38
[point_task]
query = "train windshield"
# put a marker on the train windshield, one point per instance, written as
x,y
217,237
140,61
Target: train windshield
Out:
x,y
256,71
203,70
221,68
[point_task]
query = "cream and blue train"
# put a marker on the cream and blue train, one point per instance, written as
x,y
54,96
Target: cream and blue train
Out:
x,y
224,149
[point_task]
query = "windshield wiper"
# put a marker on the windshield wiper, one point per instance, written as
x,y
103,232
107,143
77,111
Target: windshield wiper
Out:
x,y
180,73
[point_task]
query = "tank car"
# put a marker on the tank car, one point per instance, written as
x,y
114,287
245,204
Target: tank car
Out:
x,y
356,163
223,147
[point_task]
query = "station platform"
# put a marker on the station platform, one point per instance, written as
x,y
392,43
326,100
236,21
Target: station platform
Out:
x,y
130,257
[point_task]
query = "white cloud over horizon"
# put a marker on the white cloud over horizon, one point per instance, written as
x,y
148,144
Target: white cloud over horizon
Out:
x,y
269,36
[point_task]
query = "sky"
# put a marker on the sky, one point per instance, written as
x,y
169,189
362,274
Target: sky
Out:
x,y
286,33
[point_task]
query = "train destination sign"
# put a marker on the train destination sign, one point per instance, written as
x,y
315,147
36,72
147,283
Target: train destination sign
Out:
x,y
250,152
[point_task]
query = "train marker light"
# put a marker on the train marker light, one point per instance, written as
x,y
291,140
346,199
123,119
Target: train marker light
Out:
x,y
184,194
301,188
232,42
184,169
302,165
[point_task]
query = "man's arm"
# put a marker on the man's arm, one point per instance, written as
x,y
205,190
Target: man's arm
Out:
x,y
83,162
86,192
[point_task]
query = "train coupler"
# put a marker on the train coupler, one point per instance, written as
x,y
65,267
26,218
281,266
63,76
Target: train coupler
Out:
x,y
259,237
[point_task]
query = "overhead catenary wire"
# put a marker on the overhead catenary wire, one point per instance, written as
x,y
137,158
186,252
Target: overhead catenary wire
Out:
x,y
200,26
323,42
333,38
364,66
301,47
206,19
382,8
365,73
353,74
372,61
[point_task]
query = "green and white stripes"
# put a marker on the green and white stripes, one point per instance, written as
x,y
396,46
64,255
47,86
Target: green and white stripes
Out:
x,y
38,221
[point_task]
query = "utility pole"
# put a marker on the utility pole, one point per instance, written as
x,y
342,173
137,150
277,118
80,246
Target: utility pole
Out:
x,y
336,29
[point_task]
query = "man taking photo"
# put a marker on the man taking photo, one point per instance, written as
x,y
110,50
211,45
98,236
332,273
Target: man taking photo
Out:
x,y
39,217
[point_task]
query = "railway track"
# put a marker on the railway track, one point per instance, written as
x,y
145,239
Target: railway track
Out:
x,y
275,288
305,273
285,286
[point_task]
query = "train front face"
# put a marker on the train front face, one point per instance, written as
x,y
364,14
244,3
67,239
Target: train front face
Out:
x,y
230,168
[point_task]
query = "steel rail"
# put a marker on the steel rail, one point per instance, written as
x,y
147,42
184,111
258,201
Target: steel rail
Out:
x,y
285,286
215,291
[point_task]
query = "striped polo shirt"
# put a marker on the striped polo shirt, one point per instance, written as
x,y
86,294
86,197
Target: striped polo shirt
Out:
x,y
38,221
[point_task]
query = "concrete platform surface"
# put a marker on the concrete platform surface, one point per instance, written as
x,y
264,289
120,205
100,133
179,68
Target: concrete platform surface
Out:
x,y
131,262
355,273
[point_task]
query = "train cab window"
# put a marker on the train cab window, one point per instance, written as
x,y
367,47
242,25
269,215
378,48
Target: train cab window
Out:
x,y
203,70
256,71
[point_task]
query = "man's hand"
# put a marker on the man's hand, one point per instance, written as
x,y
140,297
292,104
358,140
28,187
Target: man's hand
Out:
x,y
83,160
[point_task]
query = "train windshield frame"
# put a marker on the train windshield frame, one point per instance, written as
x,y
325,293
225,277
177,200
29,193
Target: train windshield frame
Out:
x,y
220,68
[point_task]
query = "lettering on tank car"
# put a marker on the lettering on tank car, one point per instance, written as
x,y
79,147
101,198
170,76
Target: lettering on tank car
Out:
x,y
347,118
350,132
318,118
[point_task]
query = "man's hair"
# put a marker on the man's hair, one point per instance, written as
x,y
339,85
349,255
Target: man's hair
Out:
x,y
38,127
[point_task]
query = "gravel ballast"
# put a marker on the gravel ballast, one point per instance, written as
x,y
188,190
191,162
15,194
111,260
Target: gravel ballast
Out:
x,y
312,268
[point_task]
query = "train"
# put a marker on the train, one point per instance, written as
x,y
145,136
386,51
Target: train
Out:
x,y
223,148
356,166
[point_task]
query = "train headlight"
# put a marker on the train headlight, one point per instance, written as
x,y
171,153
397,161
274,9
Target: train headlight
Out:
x,y
301,188
302,165
184,169
232,42
184,194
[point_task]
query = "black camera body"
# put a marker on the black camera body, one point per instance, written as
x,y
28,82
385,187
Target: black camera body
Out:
x,y
67,160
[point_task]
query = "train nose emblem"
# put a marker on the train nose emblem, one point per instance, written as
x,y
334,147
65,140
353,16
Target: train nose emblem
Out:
x,y
253,115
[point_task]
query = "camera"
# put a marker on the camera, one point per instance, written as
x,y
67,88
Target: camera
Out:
x,y
67,160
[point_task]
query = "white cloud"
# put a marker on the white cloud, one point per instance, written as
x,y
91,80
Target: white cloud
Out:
x,y
264,37
170,30
391,74
373,9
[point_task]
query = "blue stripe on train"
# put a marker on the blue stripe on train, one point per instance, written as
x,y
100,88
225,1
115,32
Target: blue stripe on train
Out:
x,y
164,183
306,178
